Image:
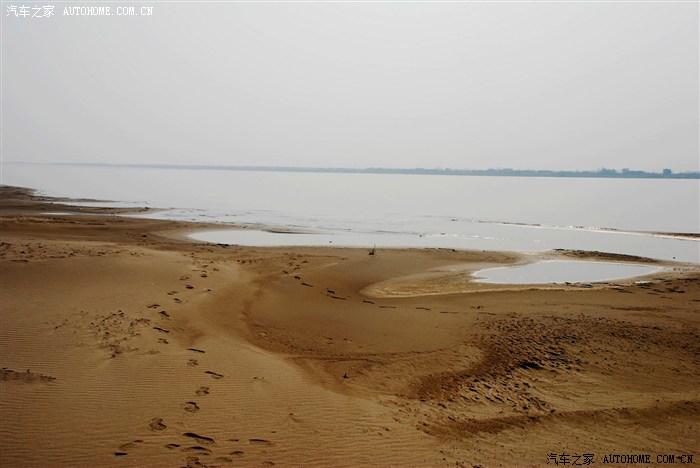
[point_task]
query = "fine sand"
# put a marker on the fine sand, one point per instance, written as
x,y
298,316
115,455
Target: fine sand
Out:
x,y
124,344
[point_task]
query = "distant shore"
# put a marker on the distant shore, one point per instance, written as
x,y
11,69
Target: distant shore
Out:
x,y
123,343
597,174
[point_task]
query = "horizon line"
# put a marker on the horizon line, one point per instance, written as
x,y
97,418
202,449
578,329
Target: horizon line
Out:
x,y
505,171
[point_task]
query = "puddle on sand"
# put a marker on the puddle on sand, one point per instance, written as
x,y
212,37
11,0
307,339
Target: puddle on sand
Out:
x,y
560,272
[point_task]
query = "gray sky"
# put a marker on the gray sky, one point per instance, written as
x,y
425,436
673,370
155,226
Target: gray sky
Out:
x,y
568,85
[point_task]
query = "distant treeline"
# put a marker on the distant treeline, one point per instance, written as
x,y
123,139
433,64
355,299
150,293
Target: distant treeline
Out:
x,y
601,173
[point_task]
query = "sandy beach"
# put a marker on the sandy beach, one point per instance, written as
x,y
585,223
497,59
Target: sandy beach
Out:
x,y
123,343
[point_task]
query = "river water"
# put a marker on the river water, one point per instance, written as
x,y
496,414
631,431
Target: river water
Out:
x,y
462,212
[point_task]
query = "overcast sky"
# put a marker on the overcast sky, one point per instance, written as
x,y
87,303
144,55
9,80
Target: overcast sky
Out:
x,y
569,85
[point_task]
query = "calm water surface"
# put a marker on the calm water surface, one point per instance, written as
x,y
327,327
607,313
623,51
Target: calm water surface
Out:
x,y
500,213
562,272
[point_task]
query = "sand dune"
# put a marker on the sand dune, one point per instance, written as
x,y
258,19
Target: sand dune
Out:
x,y
122,344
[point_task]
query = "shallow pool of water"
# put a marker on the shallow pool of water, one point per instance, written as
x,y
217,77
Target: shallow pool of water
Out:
x,y
560,272
481,236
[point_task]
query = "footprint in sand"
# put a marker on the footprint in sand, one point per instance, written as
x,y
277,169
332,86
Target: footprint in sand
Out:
x,y
172,446
124,448
214,375
197,449
202,391
156,424
199,438
193,462
192,362
190,406
259,442
130,445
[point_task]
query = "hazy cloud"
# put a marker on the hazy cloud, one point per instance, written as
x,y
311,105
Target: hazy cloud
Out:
x,y
464,85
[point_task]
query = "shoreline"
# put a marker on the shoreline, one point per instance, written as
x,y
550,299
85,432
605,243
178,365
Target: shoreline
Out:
x,y
66,204
183,231
198,353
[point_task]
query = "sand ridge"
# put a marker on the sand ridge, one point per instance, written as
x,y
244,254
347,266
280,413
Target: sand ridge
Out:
x,y
125,345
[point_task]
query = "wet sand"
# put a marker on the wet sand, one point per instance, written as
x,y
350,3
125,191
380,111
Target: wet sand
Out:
x,y
124,344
